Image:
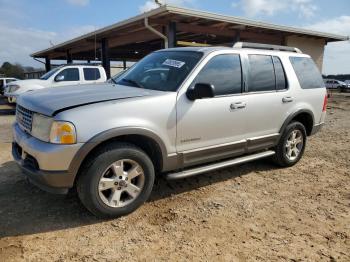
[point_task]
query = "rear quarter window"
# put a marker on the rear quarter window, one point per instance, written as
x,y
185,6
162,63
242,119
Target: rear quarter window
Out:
x,y
307,72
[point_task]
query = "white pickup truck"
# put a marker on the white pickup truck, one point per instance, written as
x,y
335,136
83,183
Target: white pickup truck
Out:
x,y
71,74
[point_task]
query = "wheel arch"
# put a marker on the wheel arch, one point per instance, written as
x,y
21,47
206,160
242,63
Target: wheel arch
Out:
x,y
304,116
147,140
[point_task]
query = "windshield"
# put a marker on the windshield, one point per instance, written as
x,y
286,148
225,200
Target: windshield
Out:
x,y
162,71
49,74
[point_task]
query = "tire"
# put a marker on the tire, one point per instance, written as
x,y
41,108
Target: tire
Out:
x,y
284,157
103,186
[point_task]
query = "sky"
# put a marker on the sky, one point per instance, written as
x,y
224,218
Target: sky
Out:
x,y
27,26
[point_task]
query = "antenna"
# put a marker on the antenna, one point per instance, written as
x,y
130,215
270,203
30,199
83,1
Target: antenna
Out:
x,y
95,45
158,2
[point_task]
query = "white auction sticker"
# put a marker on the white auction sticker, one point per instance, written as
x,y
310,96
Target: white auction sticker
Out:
x,y
173,63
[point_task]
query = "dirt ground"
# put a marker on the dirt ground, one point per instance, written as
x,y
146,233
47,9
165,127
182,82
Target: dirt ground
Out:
x,y
251,212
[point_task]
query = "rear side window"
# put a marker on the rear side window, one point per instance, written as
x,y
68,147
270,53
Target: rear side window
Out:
x,y
307,72
261,74
224,72
91,74
70,74
1,83
281,81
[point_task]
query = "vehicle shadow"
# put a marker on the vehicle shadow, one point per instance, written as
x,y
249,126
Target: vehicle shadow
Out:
x,y
25,209
6,108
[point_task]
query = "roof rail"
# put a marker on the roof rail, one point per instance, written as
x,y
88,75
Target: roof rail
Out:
x,y
267,47
81,64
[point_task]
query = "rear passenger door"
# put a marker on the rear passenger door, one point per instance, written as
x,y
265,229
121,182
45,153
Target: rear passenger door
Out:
x,y
267,97
91,75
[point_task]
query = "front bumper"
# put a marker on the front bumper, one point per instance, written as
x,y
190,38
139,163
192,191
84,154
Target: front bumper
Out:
x,y
46,165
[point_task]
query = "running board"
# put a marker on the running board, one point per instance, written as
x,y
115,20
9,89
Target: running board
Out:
x,y
211,167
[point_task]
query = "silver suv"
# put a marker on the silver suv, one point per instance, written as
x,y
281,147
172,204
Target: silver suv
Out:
x,y
178,113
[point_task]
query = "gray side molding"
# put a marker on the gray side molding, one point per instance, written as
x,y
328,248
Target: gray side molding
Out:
x,y
109,134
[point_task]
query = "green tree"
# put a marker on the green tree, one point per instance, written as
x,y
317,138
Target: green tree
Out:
x,y
11,70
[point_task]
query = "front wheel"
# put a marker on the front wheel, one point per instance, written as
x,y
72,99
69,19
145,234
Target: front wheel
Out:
x,y
119,180
291,146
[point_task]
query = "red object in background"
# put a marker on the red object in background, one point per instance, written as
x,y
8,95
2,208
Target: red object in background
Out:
x,y
325,103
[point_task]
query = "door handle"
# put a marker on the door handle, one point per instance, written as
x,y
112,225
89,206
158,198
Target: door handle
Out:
x,y
238,105
287,99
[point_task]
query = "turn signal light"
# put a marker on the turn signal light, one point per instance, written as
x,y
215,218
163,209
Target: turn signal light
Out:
x,y
63,133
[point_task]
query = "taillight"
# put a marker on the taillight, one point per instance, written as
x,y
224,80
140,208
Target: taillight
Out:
x,y
325,103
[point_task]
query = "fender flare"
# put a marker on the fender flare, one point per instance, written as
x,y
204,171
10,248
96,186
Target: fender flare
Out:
x,y
96,140
291,116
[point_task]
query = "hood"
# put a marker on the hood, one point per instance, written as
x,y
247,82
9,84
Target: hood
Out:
x,y
29,82
50,101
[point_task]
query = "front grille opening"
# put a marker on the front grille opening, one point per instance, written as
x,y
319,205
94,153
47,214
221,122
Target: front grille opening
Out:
x,y
18,150
24,118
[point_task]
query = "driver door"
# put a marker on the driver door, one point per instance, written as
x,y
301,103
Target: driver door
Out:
x,y
213,128
67,76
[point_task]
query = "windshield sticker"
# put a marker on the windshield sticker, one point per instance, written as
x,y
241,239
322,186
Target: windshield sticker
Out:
x,y
173,63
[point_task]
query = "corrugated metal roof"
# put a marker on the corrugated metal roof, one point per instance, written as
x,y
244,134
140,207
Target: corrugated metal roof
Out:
x,y
198,14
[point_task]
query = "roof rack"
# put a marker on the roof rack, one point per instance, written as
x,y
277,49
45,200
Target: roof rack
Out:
x,y
82,64
267,47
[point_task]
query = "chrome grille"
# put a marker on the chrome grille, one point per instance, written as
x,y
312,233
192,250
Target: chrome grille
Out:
x,y
24,118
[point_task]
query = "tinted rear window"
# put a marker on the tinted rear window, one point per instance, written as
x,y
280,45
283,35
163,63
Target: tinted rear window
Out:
x,y
91,74
307,72
261,73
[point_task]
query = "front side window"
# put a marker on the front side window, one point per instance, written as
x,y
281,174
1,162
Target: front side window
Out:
x,y
224,73
163,71
69,74
1,83
307,72
91,74
261,75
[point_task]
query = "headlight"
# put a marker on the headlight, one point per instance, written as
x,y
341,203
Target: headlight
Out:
x,y
49,130
13,88
41,127
63,133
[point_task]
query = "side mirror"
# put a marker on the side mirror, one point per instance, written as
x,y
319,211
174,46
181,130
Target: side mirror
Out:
x,y
199,91
59,78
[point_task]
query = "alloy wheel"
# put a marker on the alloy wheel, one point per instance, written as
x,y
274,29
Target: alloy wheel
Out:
x,y
294,145
121,183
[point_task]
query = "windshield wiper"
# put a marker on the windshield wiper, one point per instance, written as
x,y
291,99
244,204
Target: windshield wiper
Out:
x,y
115,82
137,84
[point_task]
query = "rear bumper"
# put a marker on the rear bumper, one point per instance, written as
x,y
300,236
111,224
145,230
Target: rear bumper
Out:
x,y
317,128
